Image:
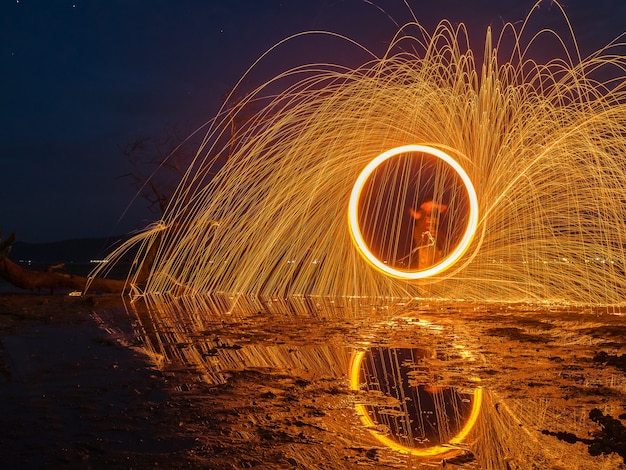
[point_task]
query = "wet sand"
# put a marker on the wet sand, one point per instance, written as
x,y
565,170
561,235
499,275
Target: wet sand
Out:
x,y
72,395
84,383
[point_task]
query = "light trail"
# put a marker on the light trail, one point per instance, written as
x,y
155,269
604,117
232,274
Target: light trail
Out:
x,y
262,209
355,229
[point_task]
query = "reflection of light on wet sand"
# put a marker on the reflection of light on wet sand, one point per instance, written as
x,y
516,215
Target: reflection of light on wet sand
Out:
x,y
415,438
271,370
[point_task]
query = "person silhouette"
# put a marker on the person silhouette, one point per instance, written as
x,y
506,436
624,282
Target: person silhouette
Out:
x,y
426,250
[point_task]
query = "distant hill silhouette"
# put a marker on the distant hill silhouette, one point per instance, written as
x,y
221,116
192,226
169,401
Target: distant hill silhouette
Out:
x,y
77,251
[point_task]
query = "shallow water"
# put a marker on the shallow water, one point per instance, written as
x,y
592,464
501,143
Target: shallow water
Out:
x,y
188,385
290,365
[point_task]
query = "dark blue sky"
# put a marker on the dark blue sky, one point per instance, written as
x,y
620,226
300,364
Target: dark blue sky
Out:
x,y
81,79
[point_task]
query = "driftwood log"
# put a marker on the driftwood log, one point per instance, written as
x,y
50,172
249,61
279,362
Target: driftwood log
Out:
x,y
24,278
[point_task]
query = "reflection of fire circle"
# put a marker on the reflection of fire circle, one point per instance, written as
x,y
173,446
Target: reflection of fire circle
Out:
x,y
417,419
355,229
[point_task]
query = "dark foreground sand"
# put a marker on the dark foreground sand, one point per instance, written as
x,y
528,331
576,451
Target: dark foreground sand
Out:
x,y
73,396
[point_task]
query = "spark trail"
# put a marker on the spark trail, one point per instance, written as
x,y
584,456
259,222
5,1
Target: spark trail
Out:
x,y
262,210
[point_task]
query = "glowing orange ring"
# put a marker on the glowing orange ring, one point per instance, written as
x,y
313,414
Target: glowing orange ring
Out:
x,y
353,214
428,451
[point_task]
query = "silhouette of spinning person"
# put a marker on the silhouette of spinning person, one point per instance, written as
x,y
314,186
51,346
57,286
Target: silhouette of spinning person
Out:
x,y
426,250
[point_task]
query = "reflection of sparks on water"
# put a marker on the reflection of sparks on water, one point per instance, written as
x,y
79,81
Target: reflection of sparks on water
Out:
x,y
543,145
421,420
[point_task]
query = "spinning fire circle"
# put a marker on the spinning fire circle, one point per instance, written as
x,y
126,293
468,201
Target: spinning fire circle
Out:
x,y
355,228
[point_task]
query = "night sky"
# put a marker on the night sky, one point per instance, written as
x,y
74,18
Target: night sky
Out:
x,y
82,79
